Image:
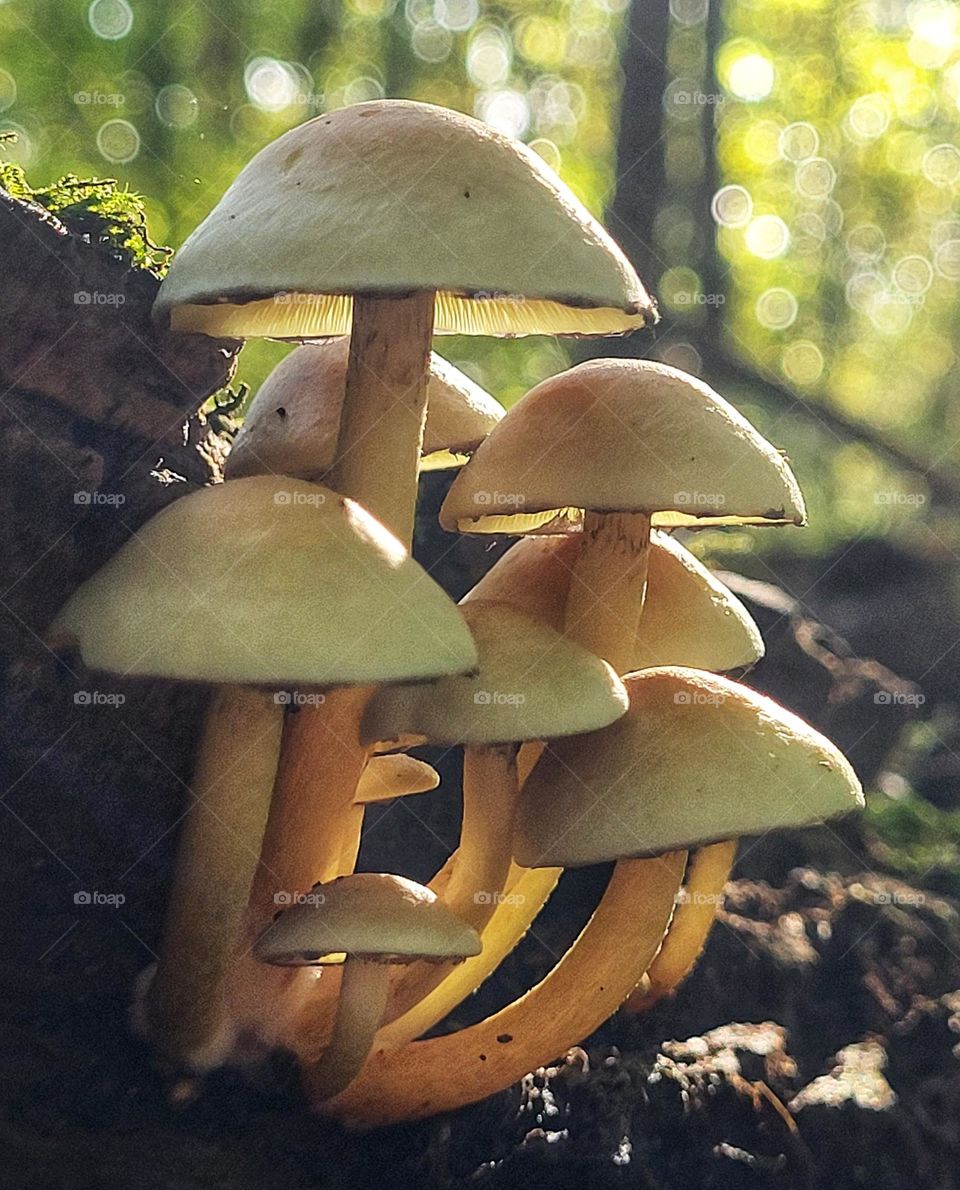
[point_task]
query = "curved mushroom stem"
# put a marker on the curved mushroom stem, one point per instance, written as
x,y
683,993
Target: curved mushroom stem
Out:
x,y
586,986
363,997
312,808
707,873
527,891
385,407
478,874
184,1012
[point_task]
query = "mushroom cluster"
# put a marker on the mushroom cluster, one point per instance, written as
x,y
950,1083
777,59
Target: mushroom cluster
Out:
x,y
582,676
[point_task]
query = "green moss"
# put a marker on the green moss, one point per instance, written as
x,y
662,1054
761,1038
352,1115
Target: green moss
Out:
x,y
916,840
97,209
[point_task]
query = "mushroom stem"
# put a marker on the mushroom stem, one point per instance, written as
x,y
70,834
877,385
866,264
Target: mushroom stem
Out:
x,y
609,585
583,989
185,1009
707,873
477,877
527,891
312,810
385,407
363,997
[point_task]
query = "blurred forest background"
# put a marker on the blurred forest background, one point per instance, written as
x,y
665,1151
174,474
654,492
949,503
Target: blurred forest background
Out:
x,y
785,174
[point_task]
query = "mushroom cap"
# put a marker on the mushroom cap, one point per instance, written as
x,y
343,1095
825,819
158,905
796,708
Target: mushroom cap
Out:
x,y
696,759
531,684
689,616
394,775
369,915
622,435
391,197
266,581
292,424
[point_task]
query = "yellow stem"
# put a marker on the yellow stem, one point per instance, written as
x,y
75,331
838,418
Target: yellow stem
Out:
x,y
185,1011
582,990
311,816
385,407
707,873
475,884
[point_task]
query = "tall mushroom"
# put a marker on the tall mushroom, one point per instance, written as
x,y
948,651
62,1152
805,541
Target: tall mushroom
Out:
x,y
292,424
614,446
396,220
377,920
486,240
249,586
644,786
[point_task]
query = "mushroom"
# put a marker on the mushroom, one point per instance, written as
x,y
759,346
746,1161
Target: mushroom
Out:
x,y
249,586
643,786
394,775
376,920
697,759
291,425
689,616
487,240
531,684
614,446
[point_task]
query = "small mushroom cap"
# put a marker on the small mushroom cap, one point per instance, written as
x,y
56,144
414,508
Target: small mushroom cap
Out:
x,y
622,435
531,684
696,759
292,424
689,616
394,775
266,581
391,197
369,915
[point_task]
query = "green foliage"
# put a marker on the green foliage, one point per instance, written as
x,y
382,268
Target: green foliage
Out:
x,y
96,208
916,840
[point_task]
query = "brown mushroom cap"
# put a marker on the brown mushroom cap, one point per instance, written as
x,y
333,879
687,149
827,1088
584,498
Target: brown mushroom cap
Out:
x,y
531,683
696,759
392,197
291,425
369,915
622,435
266,581
689,616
